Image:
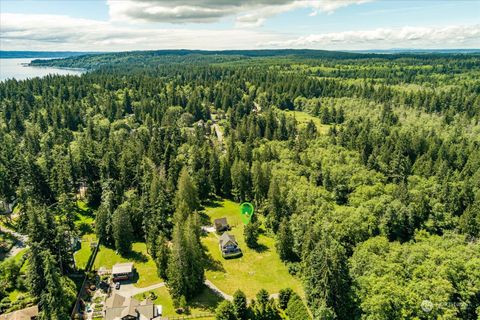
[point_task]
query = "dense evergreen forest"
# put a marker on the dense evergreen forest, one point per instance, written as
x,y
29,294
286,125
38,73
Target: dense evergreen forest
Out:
x,y
365,168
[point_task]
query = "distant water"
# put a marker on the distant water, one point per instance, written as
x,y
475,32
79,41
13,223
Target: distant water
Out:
x,y
17,68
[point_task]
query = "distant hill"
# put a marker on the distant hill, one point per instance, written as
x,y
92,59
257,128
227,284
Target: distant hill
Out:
x,y
40,54
149,59
419,51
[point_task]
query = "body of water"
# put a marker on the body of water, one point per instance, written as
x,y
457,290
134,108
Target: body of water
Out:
x,y
17,68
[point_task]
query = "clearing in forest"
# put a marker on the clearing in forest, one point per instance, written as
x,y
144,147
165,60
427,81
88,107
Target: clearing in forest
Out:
x,y
256,269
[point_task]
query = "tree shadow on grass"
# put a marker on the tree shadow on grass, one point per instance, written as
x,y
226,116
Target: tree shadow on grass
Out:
x,y
259,248
206,299
211,264
204,218
136,256
212,203
85,228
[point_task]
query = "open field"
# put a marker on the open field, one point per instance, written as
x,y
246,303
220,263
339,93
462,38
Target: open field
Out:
x,y
83,254
256,269
84,218
145,266
303,118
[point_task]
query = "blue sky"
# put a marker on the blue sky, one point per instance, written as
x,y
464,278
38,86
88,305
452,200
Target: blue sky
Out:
x,y
112,25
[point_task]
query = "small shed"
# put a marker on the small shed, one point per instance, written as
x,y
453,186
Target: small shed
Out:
x,y
122,271
221,224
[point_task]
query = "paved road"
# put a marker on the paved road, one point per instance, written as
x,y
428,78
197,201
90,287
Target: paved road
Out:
x,y
228,297
129,290
19,245
215,289
208,229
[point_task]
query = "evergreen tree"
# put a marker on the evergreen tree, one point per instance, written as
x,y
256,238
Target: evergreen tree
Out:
x,y
284,297
127,103
54,304
251,232
226,178
240,180
177,264
240,305
265,308
185,272
161,255
284,242
225,311
327,282
103,218
35,276
186,191
296,310
275,205
122,229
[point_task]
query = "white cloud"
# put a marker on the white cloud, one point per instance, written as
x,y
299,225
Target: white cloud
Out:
x,y
56,32
385,38
246,12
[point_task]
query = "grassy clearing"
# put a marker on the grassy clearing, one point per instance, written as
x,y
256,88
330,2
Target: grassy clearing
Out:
x,y
144,264
256,269
84,218
205,302
18,292
83,254
303,118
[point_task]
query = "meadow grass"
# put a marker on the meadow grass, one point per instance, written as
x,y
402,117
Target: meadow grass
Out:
x,y
144,264
205,302
256,269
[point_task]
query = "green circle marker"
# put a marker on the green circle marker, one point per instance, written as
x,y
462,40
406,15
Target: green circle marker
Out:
x,y
246,212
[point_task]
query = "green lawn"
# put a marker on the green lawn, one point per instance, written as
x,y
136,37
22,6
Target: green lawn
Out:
x,y
145,266
303,118
205,302
81,256
84,219
256,269
13,295
225,208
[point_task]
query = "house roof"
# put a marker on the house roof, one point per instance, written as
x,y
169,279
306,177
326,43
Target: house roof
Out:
x,y
118,306
221,222
225,238
24,314
126,267
115,301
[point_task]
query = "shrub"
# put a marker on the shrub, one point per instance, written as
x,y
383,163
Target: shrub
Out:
x,y
296,309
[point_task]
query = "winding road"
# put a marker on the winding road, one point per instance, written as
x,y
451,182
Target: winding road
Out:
x,y
19,245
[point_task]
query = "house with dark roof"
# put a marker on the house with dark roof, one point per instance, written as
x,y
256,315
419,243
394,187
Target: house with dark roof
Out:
x,y
122,271
229,246
221,224
118,307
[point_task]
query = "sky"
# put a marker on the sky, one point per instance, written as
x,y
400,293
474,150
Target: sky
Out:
x,y
122,25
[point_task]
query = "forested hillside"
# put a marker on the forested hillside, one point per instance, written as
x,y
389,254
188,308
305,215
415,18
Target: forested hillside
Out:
x,y
364,168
